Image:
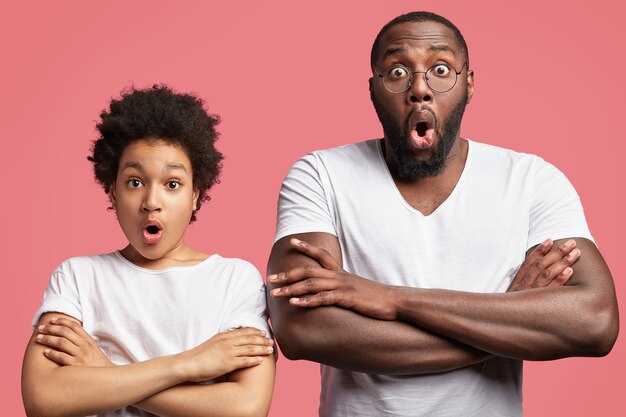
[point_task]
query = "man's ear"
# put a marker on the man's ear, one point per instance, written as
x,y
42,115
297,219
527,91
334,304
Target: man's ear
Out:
x,y
470,85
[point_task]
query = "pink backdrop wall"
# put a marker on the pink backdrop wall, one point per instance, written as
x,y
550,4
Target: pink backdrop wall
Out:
x,y
288,78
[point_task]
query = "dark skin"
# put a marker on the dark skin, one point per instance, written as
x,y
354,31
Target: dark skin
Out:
x,y
548,312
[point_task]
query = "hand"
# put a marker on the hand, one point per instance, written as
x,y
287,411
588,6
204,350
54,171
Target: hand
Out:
x,y
310,286
224,353
69,344
548,265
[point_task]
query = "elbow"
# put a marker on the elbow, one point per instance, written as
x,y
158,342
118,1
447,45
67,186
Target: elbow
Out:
x,y
290,343
256,406
41,400
601,329
252,411
288,330
36,405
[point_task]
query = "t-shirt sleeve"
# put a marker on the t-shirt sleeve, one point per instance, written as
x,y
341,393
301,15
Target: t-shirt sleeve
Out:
x,y
556,211
61,296
302,203
249,308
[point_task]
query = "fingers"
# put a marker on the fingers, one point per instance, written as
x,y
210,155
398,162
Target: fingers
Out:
x,y
247,362
60,344
253,350
299,274
560,271
325,259
535,256
59,357
562,278
244,332
307,286
250,337
552,264
62,328
547,265
322,298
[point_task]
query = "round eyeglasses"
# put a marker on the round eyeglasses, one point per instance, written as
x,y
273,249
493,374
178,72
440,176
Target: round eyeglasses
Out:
x,y
440,78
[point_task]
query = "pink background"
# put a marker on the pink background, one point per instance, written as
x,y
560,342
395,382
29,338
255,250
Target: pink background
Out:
x,y
288,78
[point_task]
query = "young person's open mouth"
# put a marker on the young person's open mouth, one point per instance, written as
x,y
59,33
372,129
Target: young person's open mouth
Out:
x,y
152,232
422,129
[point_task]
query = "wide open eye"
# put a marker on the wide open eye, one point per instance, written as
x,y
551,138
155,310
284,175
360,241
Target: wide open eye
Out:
x,y
134,183
173,185
440,70
397,73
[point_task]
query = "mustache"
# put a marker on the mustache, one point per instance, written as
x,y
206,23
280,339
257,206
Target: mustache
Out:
x,y
418,109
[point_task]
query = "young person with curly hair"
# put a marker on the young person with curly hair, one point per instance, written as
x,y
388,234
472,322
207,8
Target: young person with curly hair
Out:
x,y
157,327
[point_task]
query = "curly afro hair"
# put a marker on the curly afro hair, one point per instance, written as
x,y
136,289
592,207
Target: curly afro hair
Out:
x,y
158,113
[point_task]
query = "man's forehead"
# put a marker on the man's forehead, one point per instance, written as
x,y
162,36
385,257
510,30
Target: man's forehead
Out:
x,y
428,34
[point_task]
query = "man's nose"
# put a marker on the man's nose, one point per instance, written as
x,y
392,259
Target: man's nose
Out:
x,y
419,90
152,200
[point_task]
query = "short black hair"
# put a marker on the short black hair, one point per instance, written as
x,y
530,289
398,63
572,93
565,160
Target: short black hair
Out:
x,y
158,113
419,17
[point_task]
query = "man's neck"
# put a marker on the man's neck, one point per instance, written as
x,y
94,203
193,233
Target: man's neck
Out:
x,y
428,193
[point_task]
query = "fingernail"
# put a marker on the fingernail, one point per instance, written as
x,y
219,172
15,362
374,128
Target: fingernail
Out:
x,y
40,328
270,349
545,242
276,291
39,337
272,277
295,300
568,271
263,332
272,342
570,242
46,352
296,241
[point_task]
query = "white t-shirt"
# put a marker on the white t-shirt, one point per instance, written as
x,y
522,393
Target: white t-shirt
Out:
x,y
137,314
504,203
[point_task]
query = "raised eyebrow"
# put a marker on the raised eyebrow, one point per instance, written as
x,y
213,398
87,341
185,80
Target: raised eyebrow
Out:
x,y
176,166
441,48
135,165
394,51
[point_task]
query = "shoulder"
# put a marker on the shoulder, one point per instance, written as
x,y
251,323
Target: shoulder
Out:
x,y
342,155
81,264
234,267
492,157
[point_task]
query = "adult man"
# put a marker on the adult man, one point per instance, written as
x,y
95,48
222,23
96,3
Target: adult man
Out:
x,y
414,249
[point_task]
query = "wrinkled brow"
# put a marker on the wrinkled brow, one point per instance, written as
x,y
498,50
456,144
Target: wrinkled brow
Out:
x,y
172,166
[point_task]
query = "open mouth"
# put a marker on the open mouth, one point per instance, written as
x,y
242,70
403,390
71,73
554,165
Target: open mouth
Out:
x,y
422,129
152,232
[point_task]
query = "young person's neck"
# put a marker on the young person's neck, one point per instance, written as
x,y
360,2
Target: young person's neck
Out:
x,y
182,255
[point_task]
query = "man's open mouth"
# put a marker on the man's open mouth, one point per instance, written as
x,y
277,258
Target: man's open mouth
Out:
x,y
422,129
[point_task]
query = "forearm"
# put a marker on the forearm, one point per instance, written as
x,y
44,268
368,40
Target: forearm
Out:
x,y
86,390
536,324
246,392
347,340
221,399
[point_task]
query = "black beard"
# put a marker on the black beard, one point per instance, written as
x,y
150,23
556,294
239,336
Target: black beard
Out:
x,y
407,167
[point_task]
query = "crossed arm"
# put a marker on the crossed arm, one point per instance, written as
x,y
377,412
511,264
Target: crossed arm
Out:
x,y
65,374
371,327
